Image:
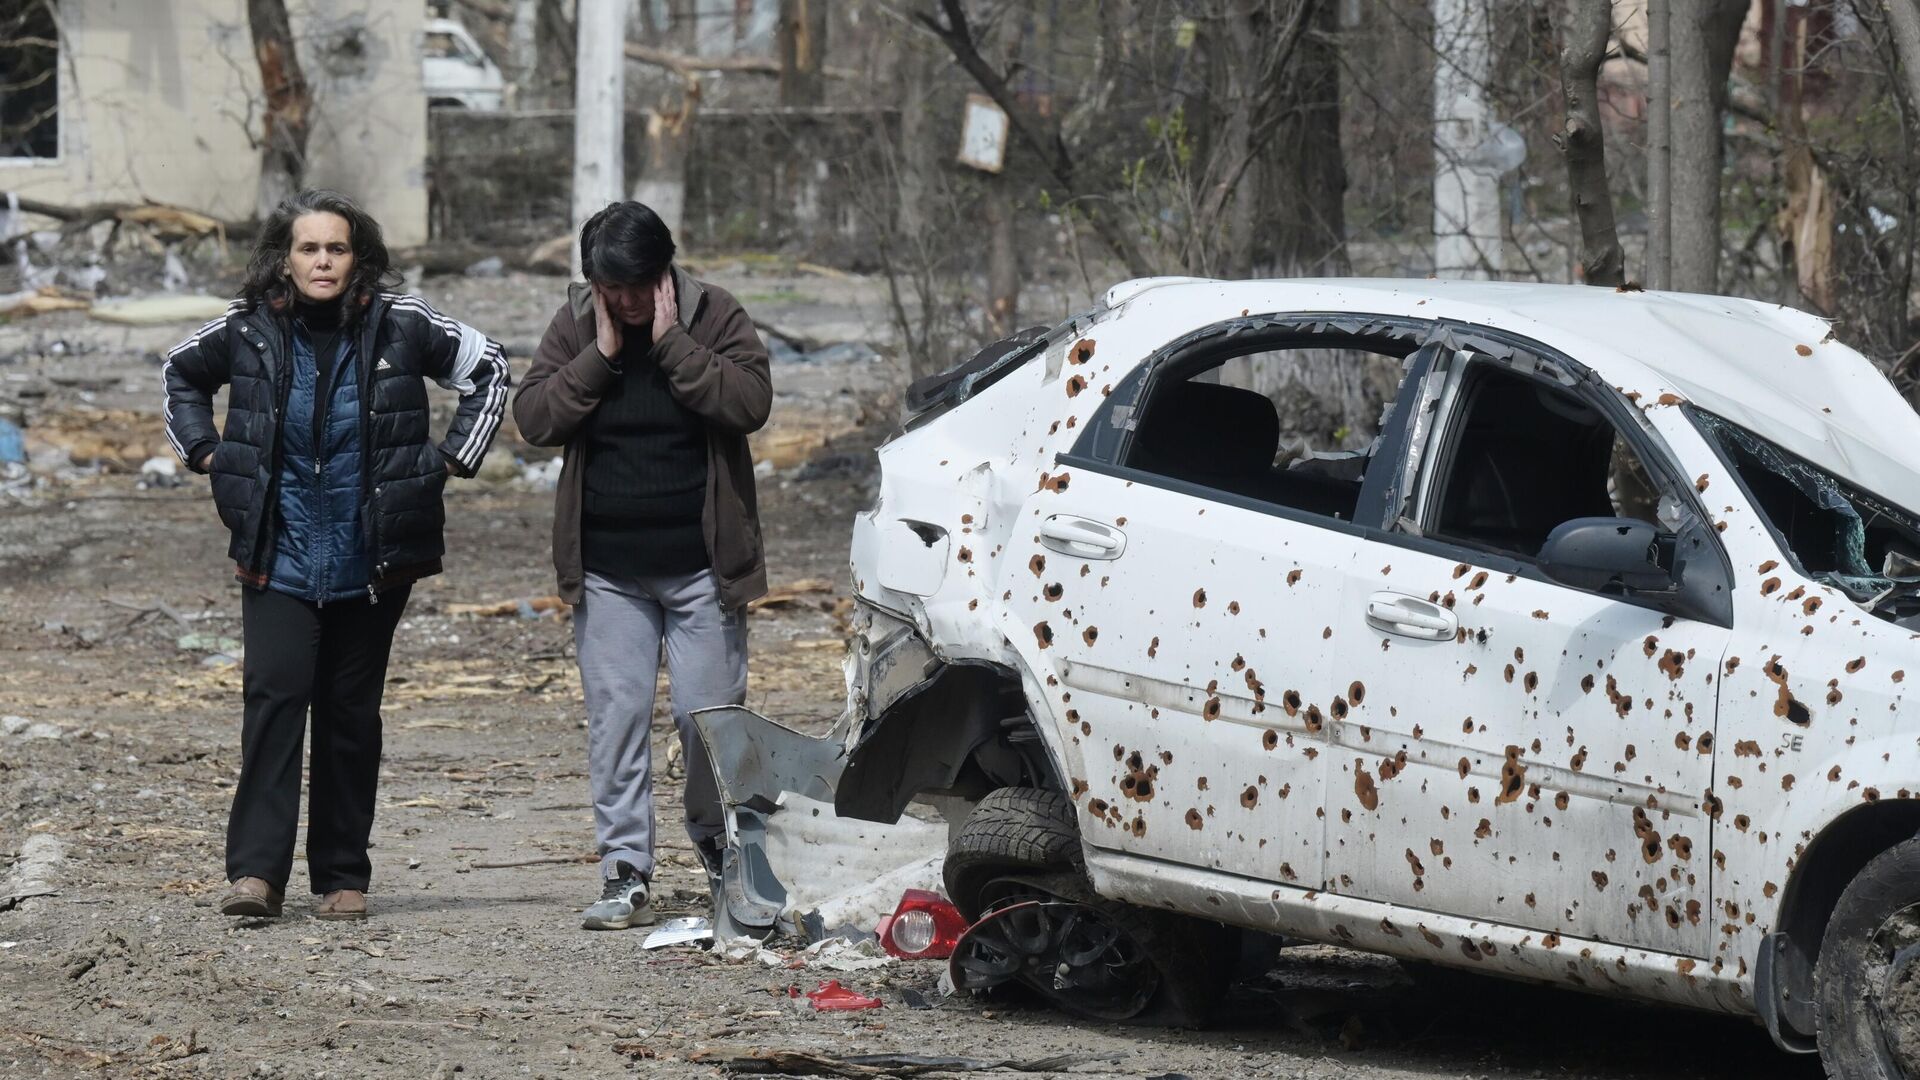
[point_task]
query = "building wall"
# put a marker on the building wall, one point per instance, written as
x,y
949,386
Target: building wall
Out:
x,y
157,100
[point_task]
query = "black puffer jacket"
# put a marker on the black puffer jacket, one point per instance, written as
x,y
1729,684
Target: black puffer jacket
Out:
x,y
400,341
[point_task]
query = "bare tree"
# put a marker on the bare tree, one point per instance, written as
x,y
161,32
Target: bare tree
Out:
x,y
803,43
1704,34
1583,27
1903,16
289,113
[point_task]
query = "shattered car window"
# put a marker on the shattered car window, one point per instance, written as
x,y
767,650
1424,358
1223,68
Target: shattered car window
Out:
x,y
1835,532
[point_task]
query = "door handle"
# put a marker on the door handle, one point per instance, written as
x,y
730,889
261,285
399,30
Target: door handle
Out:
x,y
1082,538
1409,616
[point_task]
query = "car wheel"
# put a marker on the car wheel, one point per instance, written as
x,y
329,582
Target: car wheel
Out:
x,y
1012,830
1095,958
1868,974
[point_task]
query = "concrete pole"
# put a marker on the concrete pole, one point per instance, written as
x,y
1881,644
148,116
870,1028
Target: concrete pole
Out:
x,y
599,111
1467,237
1659,146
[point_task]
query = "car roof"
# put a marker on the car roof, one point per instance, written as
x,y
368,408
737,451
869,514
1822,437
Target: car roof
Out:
x,y
1771,369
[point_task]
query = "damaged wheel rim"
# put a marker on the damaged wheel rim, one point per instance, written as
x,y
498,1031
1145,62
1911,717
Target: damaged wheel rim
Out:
x,y
1069,953
1896,995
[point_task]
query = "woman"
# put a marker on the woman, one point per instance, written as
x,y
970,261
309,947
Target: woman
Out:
x,y
327,479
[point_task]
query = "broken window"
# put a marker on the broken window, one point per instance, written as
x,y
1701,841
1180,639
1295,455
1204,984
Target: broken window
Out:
x,y
1523,456
29,80
1198,429
1832,530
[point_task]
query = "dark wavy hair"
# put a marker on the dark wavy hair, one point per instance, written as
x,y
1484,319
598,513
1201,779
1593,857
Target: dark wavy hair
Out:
x,y
625,244
267,284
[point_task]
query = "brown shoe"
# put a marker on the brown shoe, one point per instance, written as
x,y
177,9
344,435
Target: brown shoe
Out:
x,y
252,896
343,904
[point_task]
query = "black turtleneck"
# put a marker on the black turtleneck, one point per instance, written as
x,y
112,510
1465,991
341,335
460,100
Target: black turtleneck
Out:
x,y
323,324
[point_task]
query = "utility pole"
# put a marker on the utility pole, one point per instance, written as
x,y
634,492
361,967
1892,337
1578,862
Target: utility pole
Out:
x,y
599,111
1659,147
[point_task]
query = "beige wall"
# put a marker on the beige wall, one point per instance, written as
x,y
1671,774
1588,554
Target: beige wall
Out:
x,y
157,97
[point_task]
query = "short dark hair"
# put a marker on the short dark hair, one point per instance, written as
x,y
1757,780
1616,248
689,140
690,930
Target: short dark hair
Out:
x,y
372,266
625,244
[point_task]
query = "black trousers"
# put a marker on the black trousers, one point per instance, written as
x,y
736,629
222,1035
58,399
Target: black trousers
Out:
x,y
330,660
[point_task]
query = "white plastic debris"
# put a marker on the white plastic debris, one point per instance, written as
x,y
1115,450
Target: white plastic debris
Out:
x,y
159,472
681,931
839,954
741,949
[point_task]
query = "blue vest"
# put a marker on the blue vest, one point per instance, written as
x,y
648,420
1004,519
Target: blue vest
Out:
x,y
320,549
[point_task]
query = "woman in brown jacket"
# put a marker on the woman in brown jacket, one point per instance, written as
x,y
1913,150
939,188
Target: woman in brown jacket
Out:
x,y
652,382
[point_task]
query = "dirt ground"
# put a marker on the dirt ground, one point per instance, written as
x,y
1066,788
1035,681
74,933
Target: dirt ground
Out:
x,y
116,778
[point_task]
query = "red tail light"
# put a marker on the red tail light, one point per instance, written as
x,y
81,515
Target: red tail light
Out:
x,y
925,926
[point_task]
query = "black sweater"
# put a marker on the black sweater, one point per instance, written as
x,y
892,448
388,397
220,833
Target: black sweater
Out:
x,y
646,476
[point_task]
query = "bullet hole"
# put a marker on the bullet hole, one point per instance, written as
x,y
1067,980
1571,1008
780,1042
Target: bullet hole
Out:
x,y
1387,569
1076,384
1769,586
1469,671
1233,607
1447,601
1473,795
1044,634
1834,696
1871,794
1199,598
1097,807
1586,685
1648,836
1166,757
1648,646
1357,692
1201,783
1681,846
1250,797
1854,665
1081,352
1682,740
1479,579
1432,938
1513,777
1086,728
1194,820
1579,760
1786,782
1326,633
1803,350
1674,664
966,555
1139,782
1053,592
1119,751
1270,739
1509,673
1153,648
1833,774
1293,577
1700,484
1290,701
1211,711
1037,564
1460,570
1313,719
1363,786
1339,707
1239,662
1622,703
1465,767
1090,634
1900,676
1531,682
1055,484
1139,826
1599,881
1673,917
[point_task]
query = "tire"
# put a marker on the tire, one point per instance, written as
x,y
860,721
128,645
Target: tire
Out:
x,y
1868,974
1012,830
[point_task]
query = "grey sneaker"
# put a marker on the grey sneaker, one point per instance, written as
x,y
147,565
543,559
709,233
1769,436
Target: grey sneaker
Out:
x,y
623,903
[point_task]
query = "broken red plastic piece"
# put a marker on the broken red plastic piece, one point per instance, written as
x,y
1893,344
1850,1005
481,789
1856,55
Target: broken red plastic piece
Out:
x,y
832,997
925,926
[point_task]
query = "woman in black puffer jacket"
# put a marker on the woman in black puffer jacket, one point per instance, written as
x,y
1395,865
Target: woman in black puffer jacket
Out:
x,y
328,480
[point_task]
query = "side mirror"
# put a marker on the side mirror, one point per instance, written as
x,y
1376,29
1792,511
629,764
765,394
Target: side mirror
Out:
x,y
1618,555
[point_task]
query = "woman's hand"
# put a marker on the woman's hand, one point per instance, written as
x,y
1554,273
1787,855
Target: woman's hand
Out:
x,y
606,329
205,463
666,310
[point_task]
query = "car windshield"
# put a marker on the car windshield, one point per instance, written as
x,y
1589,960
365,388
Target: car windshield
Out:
x,y
1837,533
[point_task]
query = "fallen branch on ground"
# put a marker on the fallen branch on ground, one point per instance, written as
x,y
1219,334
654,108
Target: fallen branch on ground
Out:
x,y
553,860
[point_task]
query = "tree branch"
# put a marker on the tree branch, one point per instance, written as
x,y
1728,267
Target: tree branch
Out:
x,y
681,64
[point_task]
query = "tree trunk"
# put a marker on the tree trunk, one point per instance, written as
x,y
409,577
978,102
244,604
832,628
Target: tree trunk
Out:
x,y
289,113
803,44
523,56
663,183
1003,259
1466,192
599,113
1304,227
1584,27
1659,144
1704,33
1903,17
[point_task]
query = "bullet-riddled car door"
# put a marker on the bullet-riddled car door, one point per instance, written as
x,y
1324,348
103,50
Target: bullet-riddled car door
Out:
x,y
1525,751
1178,602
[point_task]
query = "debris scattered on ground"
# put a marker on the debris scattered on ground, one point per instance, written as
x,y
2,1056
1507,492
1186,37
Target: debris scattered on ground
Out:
x,y
817,592
159,310
41,301
527,607
159,472
839,954
830,996
21,727
681,931
807,1063
13,443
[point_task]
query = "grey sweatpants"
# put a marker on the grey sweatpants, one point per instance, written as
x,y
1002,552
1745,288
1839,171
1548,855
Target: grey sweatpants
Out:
x,y
618,628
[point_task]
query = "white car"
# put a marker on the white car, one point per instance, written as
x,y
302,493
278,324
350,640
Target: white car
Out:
x,y
455,71
1591,670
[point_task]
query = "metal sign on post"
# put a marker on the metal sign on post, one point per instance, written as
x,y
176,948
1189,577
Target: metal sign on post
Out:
x,y
983,135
